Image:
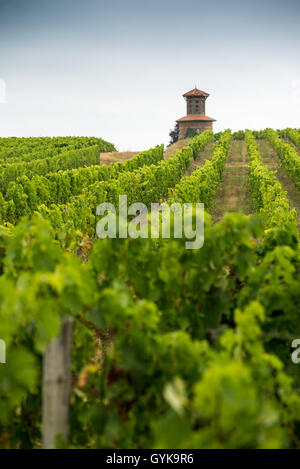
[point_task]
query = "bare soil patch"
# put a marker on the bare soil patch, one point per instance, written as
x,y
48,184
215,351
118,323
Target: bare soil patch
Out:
x,y
116,157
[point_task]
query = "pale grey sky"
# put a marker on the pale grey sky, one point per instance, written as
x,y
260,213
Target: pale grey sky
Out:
x,y
118,69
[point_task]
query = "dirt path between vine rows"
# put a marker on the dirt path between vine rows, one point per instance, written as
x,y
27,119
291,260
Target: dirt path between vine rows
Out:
x,y
233,194
272,160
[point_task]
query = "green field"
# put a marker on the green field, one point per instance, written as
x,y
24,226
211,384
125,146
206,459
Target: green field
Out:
x,y
170,348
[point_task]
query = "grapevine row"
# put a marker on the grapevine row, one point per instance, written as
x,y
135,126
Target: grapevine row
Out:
x,y
24,195
17,150
146,185
268,195
202,184
288,155
292,134
67,160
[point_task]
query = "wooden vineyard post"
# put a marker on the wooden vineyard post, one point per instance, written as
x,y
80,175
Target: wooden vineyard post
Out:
x,y
57,386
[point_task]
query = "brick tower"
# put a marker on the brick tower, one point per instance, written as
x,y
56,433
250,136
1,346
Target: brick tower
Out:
x,y
195,113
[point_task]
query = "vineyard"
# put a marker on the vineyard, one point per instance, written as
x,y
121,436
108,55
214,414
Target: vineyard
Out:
x,y
141,343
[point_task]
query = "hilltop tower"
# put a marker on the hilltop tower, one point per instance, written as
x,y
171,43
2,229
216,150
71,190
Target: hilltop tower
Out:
x,y
195,113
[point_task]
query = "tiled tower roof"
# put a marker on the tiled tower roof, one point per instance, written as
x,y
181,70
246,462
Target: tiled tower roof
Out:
x,y
196,92
196,117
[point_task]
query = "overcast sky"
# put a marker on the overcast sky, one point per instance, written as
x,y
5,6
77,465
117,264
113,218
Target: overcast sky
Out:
x,y
117,69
